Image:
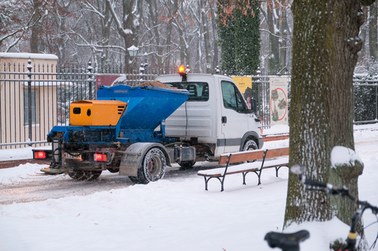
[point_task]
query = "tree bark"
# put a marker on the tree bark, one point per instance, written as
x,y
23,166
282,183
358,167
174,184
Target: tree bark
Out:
x,y
325,46
126,29
215,60
373,36
36,30
274,57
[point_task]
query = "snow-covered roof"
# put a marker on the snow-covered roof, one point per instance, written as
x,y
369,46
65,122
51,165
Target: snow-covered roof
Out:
x,y
52,83
28,55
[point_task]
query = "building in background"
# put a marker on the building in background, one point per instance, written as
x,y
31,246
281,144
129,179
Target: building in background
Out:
x,y
15,88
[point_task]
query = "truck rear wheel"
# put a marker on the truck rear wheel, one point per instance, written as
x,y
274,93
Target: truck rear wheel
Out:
x,y
153,166
76,174
113,169
92,175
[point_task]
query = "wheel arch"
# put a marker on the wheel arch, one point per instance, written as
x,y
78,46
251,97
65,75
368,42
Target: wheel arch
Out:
x,y
251,135
134,155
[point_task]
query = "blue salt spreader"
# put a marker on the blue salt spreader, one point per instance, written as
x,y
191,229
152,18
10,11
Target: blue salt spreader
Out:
x,y
146,108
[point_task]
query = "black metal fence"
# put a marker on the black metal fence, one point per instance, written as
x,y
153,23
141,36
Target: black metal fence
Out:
x,y
34,98
365,99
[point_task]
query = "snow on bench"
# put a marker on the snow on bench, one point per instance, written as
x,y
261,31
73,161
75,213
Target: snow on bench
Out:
x,y
257,161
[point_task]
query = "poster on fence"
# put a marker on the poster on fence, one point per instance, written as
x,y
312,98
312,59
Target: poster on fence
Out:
x,y
279,100
244,84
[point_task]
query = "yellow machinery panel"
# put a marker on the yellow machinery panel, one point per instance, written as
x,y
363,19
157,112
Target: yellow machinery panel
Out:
x,y
96,112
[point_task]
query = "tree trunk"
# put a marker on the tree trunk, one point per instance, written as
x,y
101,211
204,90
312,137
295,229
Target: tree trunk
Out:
x,y
206,37
105,35
274,56
153,15
284,31
325,46
373,37
172,13
36,29
214,38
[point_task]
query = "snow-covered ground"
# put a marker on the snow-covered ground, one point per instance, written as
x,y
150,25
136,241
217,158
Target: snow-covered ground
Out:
x,y
175,213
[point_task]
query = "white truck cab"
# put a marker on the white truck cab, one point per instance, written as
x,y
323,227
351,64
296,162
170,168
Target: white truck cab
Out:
x,y
215,119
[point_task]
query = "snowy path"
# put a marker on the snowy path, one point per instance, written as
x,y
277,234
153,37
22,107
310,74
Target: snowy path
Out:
x,y
58,213
36,186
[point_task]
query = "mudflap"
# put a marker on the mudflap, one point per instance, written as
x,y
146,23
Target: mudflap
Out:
x,y
56,159
52,171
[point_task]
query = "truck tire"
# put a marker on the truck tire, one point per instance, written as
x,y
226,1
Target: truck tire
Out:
x,y
92,175
186,164
153,166
134,179
250,144
113,169
76,174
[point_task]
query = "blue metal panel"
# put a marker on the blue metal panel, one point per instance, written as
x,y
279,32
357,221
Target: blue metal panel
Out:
x,y
147,106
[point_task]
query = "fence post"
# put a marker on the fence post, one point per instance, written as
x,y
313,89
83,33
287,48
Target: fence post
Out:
x,y
90,79
30,111
376,102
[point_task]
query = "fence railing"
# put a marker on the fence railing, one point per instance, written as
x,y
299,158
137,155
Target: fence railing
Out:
x,y
34,98
365,99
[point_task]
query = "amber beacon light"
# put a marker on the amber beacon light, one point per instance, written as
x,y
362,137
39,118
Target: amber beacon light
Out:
x,y
182,72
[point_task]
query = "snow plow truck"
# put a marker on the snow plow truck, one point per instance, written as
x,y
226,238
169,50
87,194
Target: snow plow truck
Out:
x,y
142,129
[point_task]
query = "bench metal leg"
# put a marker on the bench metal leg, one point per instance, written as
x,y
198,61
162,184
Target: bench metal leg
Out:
x,y
244,174
209,178
206,180
222,182
259,177
256,172
277,169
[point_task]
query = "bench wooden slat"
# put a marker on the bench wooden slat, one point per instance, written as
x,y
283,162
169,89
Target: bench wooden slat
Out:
x,y
272,153
250,167
263,159
241,157
276,162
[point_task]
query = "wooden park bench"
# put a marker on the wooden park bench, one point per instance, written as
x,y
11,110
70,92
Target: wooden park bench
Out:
x,y
258,160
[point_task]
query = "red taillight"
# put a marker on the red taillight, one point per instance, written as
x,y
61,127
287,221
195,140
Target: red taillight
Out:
x,y
40,155
100,157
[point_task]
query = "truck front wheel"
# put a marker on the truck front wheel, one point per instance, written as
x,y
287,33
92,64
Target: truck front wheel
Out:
x,y
153,166
186,164
250,144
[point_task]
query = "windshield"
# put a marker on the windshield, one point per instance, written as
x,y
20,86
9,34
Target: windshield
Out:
x,y
198,91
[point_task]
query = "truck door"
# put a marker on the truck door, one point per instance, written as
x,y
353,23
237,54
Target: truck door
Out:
x,y
236,119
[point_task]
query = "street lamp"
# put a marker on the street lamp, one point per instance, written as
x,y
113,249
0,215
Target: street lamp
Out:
x,y
133,51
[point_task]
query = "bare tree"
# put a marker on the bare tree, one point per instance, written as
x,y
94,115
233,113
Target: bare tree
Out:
x,y
279,33
15,22
127,24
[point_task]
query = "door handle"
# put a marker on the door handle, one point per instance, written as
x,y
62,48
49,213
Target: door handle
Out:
x,y
224,119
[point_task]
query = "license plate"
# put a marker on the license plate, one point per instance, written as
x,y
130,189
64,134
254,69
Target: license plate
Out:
x,y
73,156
